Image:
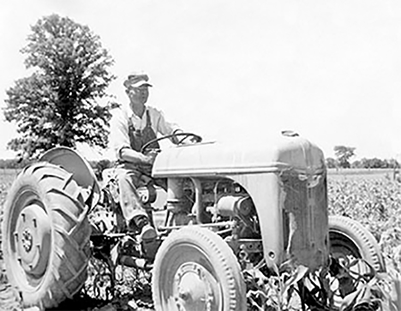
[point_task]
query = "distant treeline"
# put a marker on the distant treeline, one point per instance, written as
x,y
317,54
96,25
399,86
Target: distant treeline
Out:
x,y
18,163
100,165
365,163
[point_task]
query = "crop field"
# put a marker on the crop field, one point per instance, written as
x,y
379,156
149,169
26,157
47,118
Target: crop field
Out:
x,y
7,177
7,295
374,199
371,197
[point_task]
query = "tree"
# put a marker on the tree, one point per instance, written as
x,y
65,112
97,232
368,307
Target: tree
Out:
x,y
57,104
357,164
343,155
331,163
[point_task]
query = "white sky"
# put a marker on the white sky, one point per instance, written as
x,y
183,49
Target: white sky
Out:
x,y
330,70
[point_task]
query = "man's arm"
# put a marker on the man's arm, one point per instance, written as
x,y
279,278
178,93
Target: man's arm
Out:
x,y
129,155
121,143
165,127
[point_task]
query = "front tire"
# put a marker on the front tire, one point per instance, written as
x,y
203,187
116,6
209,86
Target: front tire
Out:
x,y
45,236
196,270
348,238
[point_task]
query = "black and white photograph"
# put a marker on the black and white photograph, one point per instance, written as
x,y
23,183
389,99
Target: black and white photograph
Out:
x,y
206,155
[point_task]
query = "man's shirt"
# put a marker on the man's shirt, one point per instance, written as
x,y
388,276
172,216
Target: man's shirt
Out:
x,y
119,137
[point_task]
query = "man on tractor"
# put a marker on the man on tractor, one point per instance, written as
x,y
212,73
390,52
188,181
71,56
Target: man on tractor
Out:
x,y
132,128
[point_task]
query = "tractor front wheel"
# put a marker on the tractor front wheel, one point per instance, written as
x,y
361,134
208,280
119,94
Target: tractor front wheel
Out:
x,y
196,270
350,240
45,236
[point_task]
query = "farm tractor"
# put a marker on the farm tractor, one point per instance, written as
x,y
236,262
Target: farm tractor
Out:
x,y
239,227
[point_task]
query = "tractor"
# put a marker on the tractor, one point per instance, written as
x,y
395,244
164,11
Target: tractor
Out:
x,y
240,226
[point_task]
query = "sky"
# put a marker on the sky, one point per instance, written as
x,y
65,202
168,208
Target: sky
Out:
x,y
242,69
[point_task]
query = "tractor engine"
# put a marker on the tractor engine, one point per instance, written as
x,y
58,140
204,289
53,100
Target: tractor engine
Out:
x,y
211,202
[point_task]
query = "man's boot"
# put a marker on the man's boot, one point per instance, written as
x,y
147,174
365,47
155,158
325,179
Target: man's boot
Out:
x,y
146,231
146,236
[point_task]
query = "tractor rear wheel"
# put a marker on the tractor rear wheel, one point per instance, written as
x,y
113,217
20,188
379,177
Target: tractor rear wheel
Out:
x,y
45,236
196,270
349,239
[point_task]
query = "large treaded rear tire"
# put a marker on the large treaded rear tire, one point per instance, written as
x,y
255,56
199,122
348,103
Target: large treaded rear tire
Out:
x,y
349,238
45,236
196,270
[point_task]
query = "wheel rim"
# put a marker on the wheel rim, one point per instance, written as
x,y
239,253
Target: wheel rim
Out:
x,y
348,254
195,288
190,283
30,240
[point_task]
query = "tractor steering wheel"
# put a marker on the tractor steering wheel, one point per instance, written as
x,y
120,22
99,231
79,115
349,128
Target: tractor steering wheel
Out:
x,y
196,138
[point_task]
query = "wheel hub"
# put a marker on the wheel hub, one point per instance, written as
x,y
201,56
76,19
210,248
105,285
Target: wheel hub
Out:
x,y
195,288
33,239
27,240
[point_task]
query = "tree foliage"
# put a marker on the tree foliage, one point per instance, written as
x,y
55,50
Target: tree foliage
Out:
x,y
376,163
331,163
58,103
343,155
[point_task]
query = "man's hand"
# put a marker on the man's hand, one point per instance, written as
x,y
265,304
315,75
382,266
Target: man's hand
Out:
x,y
185,138
192,140
149,157
132,156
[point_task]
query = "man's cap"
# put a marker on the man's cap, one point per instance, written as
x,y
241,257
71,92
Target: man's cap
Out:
x,y
137,80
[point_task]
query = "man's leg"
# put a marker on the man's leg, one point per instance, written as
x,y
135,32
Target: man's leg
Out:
x,y
131,205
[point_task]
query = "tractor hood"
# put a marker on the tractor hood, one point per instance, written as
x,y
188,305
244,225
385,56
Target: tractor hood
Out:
x,y
271,155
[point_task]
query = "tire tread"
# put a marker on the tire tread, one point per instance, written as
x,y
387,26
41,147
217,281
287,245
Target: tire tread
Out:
x,y
67,273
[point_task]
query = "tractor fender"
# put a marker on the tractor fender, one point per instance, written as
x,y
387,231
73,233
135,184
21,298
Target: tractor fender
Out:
x,y
74,163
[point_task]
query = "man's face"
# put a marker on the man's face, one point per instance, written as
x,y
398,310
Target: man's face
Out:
x,y
139,95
